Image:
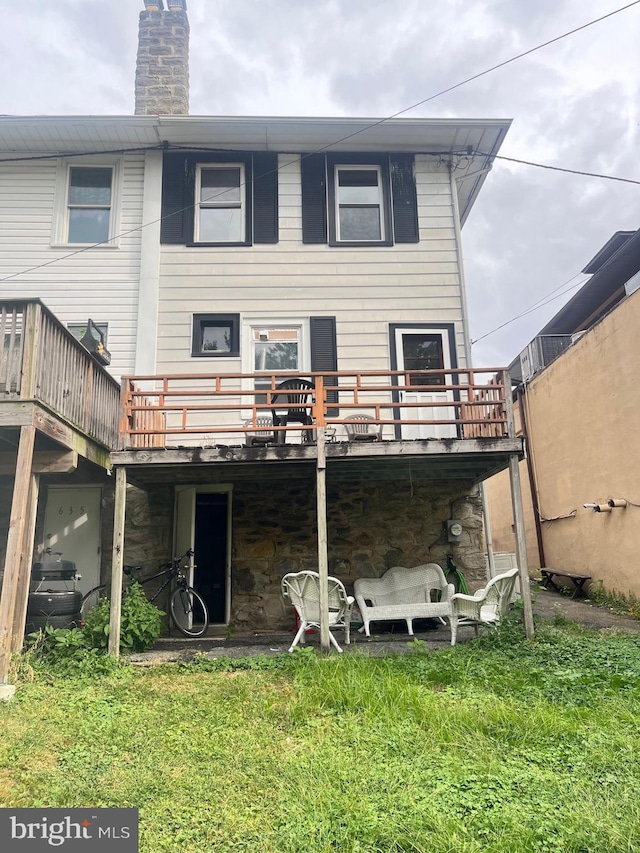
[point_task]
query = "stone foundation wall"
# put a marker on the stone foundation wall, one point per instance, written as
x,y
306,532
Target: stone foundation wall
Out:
x,y
371,527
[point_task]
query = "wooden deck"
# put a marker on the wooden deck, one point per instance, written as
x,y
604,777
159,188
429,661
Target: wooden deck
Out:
x,y
49,381
435,424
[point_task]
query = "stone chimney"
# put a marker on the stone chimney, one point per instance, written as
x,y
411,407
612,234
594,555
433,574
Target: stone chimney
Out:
x,y
162,70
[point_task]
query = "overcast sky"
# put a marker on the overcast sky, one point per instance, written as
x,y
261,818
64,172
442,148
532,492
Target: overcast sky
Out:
x,y
573,104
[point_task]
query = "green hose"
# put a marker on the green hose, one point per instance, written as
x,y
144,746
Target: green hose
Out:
x,y
455,576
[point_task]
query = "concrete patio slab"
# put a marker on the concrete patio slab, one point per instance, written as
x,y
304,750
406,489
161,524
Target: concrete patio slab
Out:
x,y
547,605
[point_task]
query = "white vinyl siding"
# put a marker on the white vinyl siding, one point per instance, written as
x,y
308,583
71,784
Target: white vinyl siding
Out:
x,y
98,283
366,289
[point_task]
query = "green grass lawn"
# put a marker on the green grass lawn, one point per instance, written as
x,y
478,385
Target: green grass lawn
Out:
x,y
496,745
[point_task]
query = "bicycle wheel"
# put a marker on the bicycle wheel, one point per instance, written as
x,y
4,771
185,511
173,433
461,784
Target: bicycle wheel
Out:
x,y
91,598
189,612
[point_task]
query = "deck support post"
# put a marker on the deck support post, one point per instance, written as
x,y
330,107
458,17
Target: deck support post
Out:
x,y
117,561
26,559
521,548
14,564
323,561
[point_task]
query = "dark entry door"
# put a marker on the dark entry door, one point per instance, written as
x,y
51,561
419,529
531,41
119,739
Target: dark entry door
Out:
x,y
210,545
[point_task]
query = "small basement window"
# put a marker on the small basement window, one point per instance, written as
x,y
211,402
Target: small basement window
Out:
x,y
215,335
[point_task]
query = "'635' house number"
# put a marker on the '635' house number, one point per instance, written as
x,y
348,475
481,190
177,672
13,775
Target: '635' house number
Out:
x,y
63,510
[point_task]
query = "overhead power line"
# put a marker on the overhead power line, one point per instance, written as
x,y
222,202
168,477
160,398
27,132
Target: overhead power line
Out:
x,y
323,148
540,304
560,168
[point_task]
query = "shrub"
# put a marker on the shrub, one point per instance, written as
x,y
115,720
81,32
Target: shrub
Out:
x,y
141,622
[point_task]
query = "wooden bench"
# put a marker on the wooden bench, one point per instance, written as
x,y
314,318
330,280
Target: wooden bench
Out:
x,y
577,580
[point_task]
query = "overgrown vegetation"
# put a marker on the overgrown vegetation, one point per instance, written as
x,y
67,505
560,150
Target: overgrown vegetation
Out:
x,y
141,622
627,605
83,649
497,745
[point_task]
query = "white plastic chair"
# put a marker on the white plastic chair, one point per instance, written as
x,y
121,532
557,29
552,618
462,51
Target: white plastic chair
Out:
x,y
486,607
362,428
302,589
263,433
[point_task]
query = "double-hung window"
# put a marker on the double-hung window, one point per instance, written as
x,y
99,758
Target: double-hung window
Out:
x,y
220,210
89,204
359,204
359,200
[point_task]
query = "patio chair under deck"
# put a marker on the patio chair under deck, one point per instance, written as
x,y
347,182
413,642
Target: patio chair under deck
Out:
x,y
302,589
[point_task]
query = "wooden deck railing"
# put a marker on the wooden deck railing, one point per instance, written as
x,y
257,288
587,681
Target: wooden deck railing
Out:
x,y
463,404
41,360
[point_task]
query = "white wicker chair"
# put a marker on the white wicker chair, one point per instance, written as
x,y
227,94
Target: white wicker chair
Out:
x,y
486,607
302,589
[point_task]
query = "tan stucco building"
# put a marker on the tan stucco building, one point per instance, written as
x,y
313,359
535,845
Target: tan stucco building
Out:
x,y
581,416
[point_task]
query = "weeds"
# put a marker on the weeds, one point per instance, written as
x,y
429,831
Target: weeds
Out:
x,y
626,605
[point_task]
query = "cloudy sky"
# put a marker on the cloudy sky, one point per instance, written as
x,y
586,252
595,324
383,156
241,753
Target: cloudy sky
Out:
x,y
573,104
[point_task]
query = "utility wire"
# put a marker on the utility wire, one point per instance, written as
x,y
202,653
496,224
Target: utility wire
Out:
x,y
559,168
540,304
325,147
487,71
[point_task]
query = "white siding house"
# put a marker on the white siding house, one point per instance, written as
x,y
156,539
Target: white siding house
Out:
x,y
39,257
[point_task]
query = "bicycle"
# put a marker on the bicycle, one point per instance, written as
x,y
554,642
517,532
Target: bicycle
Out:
x,y
186,606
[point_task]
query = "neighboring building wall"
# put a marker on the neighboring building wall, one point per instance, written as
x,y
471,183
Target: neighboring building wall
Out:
x,y
365,289
100,283
583,413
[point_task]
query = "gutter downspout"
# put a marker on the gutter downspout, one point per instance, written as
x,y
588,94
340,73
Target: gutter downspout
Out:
x,y
467,352
533,486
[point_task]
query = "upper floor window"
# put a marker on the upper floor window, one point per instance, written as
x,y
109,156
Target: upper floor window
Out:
x,y
220,211
359,203
89,201
221,199
359,200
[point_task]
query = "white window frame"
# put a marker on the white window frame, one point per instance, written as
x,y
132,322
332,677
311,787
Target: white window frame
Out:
x,y
221,205
248,325
372,167
60,235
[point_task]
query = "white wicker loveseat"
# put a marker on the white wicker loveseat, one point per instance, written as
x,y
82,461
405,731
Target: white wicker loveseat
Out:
x,y
403,593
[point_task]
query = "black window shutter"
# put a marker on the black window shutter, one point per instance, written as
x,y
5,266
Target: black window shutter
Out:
x,y
324,354
265,197
405,200
174,199
314,198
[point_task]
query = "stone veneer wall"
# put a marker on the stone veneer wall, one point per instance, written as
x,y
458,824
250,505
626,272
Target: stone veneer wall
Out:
x,y
148,530
371,527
